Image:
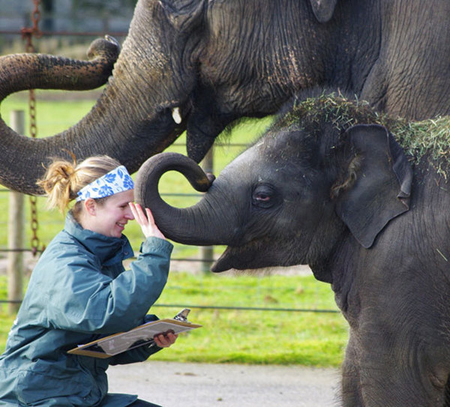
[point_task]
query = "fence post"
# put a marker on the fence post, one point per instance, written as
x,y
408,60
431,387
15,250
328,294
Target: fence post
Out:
x,y
16,227
207,252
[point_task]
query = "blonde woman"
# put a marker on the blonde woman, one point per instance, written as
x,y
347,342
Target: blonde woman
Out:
x,y
79,291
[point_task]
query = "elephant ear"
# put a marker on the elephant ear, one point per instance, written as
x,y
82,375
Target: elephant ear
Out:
x,y
183,13
323,9
378,185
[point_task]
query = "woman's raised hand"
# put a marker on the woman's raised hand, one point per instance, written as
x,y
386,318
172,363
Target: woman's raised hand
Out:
x,y
146,221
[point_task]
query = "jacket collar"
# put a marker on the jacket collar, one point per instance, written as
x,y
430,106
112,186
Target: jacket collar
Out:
x,y
109,250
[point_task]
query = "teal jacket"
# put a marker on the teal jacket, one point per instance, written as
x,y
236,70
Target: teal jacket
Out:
x,y
79,292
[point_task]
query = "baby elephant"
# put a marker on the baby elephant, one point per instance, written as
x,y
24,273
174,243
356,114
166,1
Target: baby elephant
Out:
x,y
329,185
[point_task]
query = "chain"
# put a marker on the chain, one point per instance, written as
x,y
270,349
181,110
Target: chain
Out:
x,y
27,34
35,242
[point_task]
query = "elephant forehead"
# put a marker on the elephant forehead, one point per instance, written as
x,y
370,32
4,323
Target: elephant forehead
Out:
x,y
280,147
257,168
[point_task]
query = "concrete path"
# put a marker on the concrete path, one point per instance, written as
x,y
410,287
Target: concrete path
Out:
x,y
207,385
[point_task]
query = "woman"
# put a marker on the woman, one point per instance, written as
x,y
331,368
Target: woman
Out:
x,y
80,292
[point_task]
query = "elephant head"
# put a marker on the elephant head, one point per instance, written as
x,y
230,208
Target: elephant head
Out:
x,y
291,197
200,65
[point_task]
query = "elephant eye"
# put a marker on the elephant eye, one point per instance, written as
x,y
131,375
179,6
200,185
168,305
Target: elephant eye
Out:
x,y
263,196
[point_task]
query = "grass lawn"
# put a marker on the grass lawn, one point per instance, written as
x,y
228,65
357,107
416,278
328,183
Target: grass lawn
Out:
x,y
244,336
260,337
240,336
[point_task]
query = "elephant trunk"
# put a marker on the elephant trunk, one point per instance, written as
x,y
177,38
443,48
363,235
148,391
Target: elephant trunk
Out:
x,y
131,121
197,225
38,71
20,72
140,113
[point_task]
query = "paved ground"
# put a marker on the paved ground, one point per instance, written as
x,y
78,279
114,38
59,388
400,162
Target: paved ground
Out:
x,y
208,385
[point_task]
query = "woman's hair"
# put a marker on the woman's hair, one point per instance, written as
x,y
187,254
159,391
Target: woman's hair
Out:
x,y
64,179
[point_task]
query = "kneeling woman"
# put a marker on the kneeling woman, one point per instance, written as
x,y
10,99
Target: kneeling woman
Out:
x,y
80,291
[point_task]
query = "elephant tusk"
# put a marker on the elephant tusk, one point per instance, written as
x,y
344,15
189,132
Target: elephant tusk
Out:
x,y
176,115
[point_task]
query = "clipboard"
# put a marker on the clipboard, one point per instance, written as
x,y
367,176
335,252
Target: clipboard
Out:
x,y
140,336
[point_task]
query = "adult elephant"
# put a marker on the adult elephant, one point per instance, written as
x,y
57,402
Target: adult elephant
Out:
x,y
209,63
331,187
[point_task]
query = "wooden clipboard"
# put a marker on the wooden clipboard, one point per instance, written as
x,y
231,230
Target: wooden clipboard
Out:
x,y
140,336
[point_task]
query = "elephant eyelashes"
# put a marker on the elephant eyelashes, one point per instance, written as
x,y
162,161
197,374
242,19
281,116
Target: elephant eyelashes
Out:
x,y
263,196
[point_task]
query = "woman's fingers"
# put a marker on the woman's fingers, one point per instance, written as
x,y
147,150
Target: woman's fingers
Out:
x,y
135,212
146,221
165,340
138,213
150,216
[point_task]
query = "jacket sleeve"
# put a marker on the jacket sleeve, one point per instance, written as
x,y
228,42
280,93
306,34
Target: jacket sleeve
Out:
x,y
85,300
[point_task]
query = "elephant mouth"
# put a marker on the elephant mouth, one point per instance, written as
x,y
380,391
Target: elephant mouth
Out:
x,y
233,258
256,254
201,132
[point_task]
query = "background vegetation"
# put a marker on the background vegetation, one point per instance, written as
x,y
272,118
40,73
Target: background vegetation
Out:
x,y
228,335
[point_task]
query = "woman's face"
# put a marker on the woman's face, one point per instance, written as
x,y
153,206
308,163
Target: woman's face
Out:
x,y
110,217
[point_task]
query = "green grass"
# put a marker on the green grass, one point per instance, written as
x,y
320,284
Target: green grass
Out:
x,y
243,336
263,337
260,337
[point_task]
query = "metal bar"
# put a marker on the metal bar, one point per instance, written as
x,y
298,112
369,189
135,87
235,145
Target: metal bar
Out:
x,y
20,250
70,33
328,311
218,307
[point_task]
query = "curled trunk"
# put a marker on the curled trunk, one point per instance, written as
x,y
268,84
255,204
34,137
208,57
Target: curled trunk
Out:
x,y
119,125
196,225
38,71
31,71
131,121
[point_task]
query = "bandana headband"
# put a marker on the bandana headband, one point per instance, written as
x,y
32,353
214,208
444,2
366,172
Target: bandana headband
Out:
x,y
115,181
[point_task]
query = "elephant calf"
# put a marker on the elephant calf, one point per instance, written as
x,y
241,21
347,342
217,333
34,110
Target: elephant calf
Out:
x,y
330,186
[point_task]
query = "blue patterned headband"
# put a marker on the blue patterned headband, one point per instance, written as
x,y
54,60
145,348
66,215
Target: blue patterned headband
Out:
x,y
117,180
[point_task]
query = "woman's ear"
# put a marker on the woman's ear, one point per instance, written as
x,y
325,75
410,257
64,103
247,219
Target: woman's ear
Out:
x,y
90,206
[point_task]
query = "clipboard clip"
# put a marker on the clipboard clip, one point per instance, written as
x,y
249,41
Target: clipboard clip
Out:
x,y
182,315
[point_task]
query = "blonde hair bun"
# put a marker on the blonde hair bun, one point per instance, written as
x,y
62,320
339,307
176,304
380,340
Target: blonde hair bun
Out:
x,y
63,179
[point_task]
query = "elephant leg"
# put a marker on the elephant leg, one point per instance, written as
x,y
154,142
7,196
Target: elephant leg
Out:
x,y
39,71
378,373
447,393
350,385
395,371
